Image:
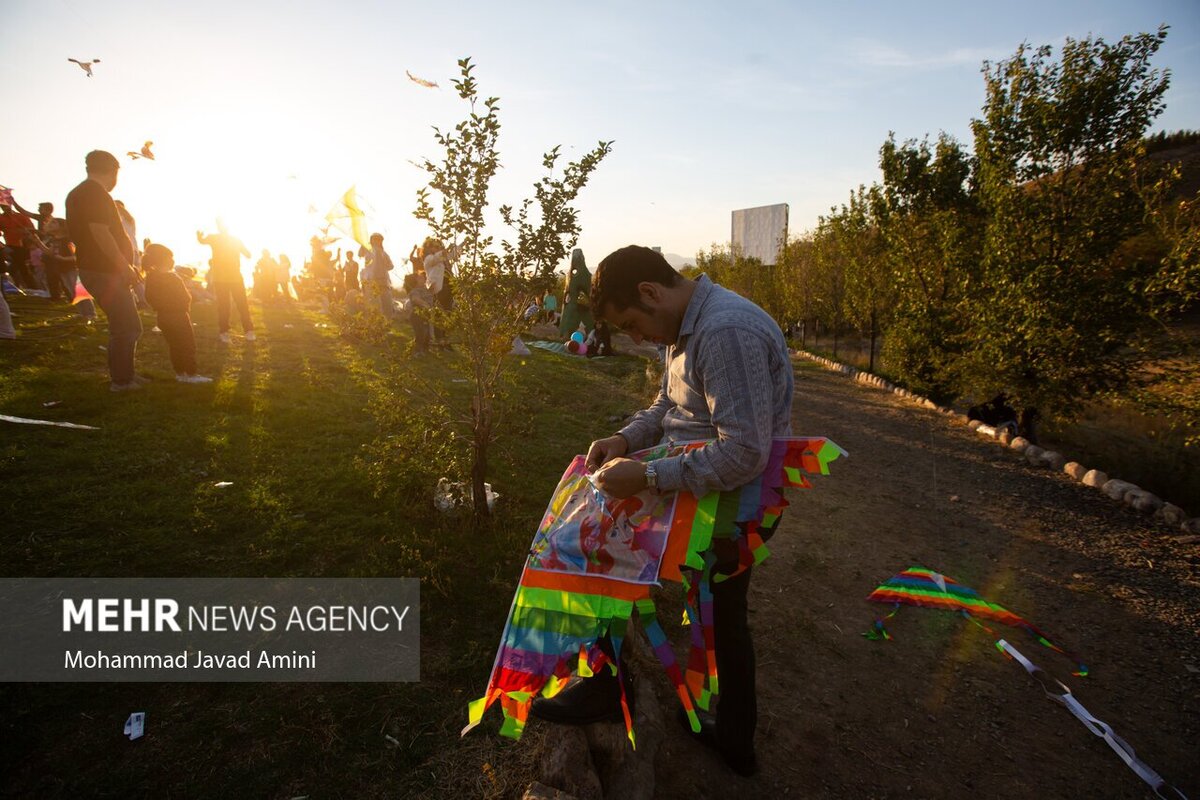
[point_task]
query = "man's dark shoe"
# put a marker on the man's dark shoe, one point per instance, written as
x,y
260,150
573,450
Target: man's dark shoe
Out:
x,y
742,762
595,699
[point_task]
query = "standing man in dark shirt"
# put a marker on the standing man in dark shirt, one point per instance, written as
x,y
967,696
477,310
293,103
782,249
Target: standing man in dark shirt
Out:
x,y
105,259
227,282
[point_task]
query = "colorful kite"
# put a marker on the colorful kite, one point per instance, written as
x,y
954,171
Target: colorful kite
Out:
x,y
145,152
917,586
348,216
81,293
86,66
594,559
420,81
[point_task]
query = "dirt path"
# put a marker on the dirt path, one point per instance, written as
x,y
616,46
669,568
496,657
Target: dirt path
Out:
x,y
938,712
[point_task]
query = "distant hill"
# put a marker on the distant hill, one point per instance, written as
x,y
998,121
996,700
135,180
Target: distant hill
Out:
x,y
679,262
1188,157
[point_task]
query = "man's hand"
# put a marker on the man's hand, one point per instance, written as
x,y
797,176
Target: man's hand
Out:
x,y
604,450
621,478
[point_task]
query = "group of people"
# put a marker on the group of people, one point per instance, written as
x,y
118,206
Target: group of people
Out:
x,y
93,254
96,247
38,252
584,334
727,379
427,285
110,268
272,278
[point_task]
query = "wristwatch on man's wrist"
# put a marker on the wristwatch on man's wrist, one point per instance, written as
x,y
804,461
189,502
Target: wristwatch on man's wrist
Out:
x,y
651,476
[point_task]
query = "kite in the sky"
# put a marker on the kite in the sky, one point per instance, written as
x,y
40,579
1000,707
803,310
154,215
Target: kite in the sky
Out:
x,y
86,66
420,81
348,216
594,559
145,152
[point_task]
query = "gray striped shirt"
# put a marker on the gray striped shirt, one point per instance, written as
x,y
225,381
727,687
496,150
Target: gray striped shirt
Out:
x,y
728,378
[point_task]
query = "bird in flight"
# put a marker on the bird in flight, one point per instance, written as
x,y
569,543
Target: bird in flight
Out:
x,y
420,81
86,66
145,152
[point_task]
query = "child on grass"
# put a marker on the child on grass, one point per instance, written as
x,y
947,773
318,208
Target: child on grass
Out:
x,y
171,300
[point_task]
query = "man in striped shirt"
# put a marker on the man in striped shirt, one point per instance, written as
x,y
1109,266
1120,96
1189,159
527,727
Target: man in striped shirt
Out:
x,y
727,377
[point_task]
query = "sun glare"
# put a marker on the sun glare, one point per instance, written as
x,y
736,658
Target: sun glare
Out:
x,y
267,194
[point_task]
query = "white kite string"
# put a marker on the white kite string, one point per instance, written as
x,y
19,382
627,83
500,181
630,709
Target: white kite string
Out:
x,y
27,421
1101,729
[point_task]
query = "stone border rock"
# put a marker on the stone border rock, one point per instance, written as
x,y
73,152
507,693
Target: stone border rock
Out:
x,y
1122,491
596,762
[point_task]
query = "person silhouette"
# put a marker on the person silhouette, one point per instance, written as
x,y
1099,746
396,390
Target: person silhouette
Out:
x,y
226,281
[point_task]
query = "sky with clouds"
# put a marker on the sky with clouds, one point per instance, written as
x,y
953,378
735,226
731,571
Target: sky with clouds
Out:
x,y
262,110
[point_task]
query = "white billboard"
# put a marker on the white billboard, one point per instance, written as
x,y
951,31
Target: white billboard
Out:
x,y
760,232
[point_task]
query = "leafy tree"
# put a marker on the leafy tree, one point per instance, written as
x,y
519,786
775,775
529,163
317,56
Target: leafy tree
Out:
x,y
797,290
1055,318
492,291
929,219
734,271
1172,387
542,246
869,283
830,254
464,175
1174,224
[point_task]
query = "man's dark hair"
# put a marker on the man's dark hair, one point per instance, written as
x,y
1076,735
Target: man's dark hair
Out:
x,y
100,161
616,281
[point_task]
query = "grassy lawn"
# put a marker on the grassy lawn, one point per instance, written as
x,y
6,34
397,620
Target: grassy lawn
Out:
x,y
332,447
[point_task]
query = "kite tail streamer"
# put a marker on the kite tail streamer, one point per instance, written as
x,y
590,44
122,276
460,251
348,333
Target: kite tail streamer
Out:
x,y
616,635
648,616
1081,671
1099,728
878,631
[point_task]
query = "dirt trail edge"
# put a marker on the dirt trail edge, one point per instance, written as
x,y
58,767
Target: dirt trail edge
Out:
x,y
938,712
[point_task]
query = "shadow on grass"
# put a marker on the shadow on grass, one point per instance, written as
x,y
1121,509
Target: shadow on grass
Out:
x,y
291,422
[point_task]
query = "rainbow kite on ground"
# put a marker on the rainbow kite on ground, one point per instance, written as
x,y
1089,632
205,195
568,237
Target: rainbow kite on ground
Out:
x,y
917,586
594,559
